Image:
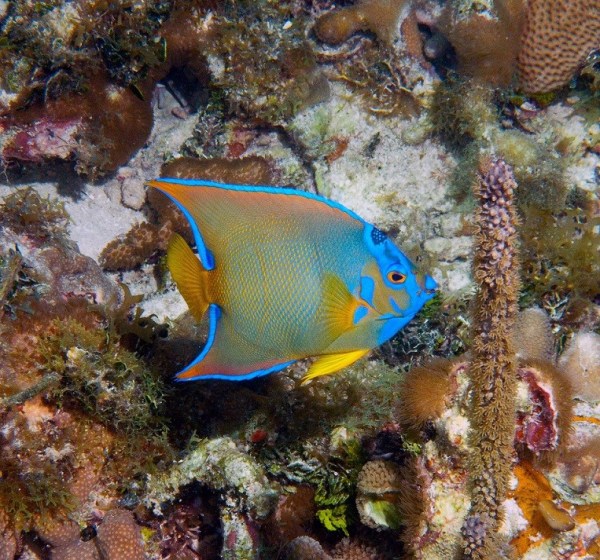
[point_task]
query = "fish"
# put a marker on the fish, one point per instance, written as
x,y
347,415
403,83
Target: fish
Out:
x,y
285,275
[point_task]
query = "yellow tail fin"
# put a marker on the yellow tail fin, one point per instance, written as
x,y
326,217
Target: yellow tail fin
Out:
x,y
189,275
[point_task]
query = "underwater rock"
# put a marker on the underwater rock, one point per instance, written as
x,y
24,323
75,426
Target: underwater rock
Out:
x,y
218,464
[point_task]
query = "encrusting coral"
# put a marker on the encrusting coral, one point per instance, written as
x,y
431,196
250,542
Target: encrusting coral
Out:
x,y
378,16
492,369
557,38
485,36
118,537
537,45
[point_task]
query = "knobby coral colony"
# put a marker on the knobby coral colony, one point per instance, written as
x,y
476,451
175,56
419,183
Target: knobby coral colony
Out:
x,y
493,365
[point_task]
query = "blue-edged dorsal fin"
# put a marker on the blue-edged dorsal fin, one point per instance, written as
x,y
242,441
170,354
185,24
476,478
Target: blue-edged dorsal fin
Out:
x,y
228,355
216,211
189,275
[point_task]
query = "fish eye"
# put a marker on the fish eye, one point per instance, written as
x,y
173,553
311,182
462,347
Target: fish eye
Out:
x,y
396,277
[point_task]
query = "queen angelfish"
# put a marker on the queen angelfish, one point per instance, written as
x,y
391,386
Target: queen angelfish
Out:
x,y
285,275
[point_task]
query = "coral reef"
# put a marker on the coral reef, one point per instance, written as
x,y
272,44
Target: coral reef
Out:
x,y
537,46
557,38
95,111
220,465
118,537
378,492
485,36
492,369
378,16
147,239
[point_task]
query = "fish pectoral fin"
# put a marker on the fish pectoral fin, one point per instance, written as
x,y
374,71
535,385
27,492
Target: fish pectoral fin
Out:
x,y
189,275
330,363
338,306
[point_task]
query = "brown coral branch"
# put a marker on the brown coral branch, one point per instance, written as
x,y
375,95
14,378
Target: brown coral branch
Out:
x,y
493,367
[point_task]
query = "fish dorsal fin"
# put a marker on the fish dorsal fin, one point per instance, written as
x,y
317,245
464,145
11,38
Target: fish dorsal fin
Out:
x,y
189,275
330,363
338,306
219,212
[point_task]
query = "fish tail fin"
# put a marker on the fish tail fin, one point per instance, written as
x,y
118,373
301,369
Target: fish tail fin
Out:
x,y
189,275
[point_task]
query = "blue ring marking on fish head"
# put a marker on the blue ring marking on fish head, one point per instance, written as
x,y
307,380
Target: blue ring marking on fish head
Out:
x,y
367,289
391,259
360,313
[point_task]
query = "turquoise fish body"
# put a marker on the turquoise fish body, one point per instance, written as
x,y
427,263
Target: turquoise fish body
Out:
x,y
285,275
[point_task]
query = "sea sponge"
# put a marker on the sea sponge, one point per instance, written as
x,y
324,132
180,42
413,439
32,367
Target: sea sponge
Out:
x,y
378,16
294,513
558,36
581,363
544,420
251,170
137,246
485,36
425,392
533,335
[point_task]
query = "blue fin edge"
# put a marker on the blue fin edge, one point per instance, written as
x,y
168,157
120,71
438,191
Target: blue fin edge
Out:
x,y
255,188
206,257
214,312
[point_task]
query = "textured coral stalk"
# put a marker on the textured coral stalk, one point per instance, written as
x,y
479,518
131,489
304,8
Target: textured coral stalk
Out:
x,y
493,368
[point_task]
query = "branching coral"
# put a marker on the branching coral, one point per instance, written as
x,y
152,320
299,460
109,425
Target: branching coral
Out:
x,y
493,366
557,38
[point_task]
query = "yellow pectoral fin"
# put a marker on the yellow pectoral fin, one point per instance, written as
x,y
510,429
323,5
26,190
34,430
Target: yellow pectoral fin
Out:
x,y
330,363
338,306
189,275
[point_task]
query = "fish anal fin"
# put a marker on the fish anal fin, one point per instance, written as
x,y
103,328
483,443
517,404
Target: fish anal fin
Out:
x,y
189,275
330,363
338,306
228,355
